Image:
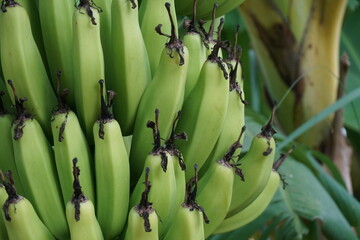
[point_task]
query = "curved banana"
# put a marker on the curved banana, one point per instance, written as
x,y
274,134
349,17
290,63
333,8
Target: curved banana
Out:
x,y
256,166
69,142
188,221
130,75
193,40
227,6
111,170
151,14
165,92
203,112
219,178
22,63
163,191
88,64
7,160
143,220
254,209
57,31
20,218
3,197
80,212
36,167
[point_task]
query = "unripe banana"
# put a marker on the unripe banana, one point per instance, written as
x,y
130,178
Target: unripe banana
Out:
x,y
80,213
203,112
254,209
111,170
21,220
69,142
143,220
163,193
3,197
130,75
219,179
57,31
36,167
188,221
88,64
168,86
256,166
151,14
21,62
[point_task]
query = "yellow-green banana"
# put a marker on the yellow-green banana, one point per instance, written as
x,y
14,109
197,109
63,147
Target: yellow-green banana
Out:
x,y
111,170
203,112
80,212
143,220
35,163
57,32
88,64
69,142
162,178
21,62
21,220
188,221
165,92
254,209
256,166
151,14
3,197
219,179
130,75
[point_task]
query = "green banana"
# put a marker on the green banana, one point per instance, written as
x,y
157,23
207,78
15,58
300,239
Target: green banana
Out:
x,y
193,40
219,179
69,142
188,221
256,166
57,32
130,76
3,197
111,170
203,112
227,6
151,13
21,220
88,64
35,163
163,193
168,85
254,209
21,62
80,212
7,161
143,220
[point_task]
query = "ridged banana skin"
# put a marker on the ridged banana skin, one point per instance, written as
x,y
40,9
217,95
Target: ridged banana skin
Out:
x,y
135,227
130,75
7,159
88,69
87,228
180,184
3,197
163,190
25,223
57,32
203,115
151,14
112,179
73,145
198,54
256,168
21,62
35,163
166,93
187,224
218,181
254,209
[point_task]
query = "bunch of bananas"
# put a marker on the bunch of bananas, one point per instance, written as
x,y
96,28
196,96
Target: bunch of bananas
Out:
x,y
137,181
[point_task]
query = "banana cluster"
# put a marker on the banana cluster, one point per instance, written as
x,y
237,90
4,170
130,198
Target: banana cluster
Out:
x,y
132,132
